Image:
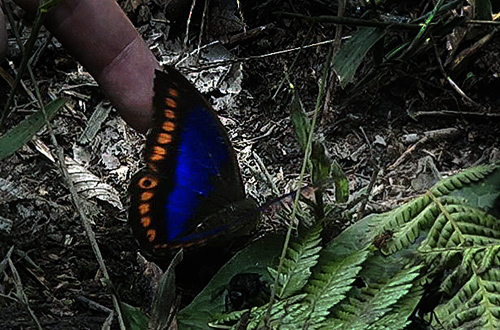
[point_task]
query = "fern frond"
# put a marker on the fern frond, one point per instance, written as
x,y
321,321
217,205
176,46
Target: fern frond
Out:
x,y
229,317
462,224
301,256
420,223
413,219
416,221
399,316
457,181
476,305
490,259
329,284
375,301
282,312
405,213
446,234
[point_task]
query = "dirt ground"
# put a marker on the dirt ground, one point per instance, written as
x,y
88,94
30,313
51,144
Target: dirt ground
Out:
x,y
400,124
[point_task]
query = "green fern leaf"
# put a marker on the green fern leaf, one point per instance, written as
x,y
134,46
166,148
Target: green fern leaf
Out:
x,y
414,219
413,228
476,305
462,224
398,318
451,234
329,284
282,312
475,174
229,317
301,256
375,301
405,213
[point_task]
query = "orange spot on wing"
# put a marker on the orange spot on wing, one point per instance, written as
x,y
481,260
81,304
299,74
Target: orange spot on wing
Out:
x,y
156,157
170,103
173,92
148,182
168,126
145,196
151,234
159,150
144,208
164,138
169,114
145,221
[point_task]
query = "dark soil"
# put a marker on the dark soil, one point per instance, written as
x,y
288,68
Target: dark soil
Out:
x,y
366,127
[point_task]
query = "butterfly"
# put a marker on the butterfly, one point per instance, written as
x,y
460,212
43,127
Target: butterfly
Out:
x,y
190,192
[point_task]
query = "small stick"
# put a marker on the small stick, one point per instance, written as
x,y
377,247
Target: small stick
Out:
x,y
456,113
356,22
431,135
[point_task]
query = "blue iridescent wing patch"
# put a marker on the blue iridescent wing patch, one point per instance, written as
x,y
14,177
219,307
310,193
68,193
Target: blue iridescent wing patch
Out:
x,y
190,190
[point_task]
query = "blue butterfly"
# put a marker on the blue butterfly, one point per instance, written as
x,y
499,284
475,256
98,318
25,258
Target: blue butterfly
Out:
x,y
190,192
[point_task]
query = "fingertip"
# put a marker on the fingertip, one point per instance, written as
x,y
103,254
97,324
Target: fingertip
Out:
x,y
128,82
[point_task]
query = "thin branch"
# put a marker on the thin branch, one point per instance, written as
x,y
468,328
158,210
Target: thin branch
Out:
x,y
356,22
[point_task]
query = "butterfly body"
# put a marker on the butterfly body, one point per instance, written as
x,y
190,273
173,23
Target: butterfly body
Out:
x,y
190,190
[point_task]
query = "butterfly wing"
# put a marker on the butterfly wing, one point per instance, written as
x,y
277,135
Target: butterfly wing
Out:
x,y
191,172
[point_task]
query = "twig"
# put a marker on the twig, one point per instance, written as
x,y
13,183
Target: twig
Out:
x,y
450,81
241,16
186,38
5,260
21,296
456,113
479,22
93,305
264,170
215,64
202,27
431,135
356,22
245,35
332,79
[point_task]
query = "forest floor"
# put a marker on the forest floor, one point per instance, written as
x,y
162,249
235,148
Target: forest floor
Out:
x,y
399,124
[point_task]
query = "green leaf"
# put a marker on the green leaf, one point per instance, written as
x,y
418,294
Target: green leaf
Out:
x,y
133,317
475,305
341,183
25,130
322,167
321,163
300,122
352,53
165,297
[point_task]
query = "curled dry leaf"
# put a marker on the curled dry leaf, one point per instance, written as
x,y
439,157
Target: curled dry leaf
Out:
x,y
90,185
